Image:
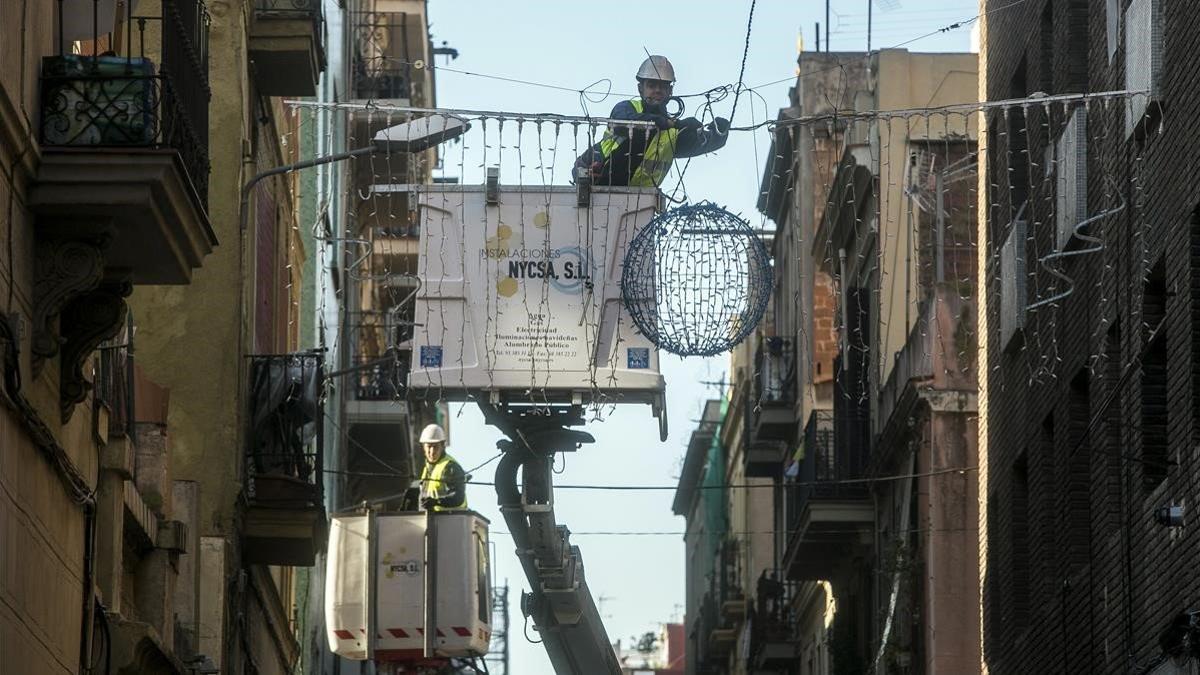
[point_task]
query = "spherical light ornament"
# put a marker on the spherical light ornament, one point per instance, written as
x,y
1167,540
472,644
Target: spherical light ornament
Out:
x,y
696,280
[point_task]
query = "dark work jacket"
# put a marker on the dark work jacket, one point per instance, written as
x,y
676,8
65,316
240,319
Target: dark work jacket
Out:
x,y
618,168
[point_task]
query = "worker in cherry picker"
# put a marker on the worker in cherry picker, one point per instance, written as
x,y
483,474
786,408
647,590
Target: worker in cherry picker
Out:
x,y
443,483
641,157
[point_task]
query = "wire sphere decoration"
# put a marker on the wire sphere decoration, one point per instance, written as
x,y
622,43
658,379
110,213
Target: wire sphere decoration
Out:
x,y
696,280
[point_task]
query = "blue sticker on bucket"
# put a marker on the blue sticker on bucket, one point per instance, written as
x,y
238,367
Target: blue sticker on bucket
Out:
x,y
639,358
431,356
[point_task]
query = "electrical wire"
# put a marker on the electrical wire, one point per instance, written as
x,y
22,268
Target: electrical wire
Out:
x,y
944,29
745,53
739,87
752,486
750,533
493,458
362,447
588,90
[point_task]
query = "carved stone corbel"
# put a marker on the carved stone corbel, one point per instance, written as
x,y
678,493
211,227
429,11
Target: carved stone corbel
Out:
x,y
64,269
86,321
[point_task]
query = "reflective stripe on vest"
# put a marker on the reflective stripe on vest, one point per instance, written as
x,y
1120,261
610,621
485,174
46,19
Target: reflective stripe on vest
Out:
x,y
657,160
432,486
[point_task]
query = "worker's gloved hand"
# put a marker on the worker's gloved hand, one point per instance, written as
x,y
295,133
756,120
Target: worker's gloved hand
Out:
x,y
688,124
427,503
661,121
721,125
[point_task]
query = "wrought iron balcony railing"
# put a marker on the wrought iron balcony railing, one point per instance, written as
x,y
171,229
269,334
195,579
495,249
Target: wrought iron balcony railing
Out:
x,y
707,619
118,96
775,371
383,381
774,637
382,357
383,51
381,83
286,443
293,7
822,470
727,580
771,407
113,381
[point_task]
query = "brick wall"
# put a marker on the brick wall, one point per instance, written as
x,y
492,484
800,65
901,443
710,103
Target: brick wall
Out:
x,y
1070,499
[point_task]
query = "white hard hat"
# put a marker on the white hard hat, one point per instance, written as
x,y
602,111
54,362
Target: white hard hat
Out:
x,y
433,434
656,68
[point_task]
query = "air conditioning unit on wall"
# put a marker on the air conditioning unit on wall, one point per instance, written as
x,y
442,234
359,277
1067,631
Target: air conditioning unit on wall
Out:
x,y
1144,49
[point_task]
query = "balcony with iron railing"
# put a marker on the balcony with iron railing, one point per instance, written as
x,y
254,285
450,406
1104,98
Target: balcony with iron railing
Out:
x,y
390,67
120,194
113,384
771,407
287,46
711,657
722,610
284,490
377,443
133,91
389,53
376,80
827,507
775,630
727,584
381,358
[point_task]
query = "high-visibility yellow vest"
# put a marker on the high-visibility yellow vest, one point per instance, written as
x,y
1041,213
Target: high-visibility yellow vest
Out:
x,y
432,485
656,162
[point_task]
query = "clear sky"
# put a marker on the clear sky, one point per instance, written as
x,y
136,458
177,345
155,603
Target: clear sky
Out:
x,y
639,579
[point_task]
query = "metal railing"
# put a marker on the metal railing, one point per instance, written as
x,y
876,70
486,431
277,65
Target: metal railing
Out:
x,y
383,381
380,338
293,7
408,226
775,371
113,381
822,469
297,9
707,619
383,83
382,55
775,618
286,427
118,97
727,579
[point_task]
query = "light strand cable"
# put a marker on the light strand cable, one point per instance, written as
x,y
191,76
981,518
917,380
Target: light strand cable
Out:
x,y
463,112
742,72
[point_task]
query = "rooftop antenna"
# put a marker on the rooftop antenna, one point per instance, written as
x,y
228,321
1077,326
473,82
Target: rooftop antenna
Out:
x,y
826,29
870,7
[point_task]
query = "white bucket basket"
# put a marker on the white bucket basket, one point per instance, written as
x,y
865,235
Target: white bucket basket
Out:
x,y
375,586
521,296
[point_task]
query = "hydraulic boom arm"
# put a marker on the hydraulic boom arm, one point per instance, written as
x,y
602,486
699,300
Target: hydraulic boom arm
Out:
x,y
560,603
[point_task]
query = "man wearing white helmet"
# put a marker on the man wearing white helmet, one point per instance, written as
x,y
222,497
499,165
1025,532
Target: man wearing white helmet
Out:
x,y
443,483
641,157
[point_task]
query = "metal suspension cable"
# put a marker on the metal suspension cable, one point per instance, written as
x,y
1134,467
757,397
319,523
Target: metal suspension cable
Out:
x,y
461,112
745,53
